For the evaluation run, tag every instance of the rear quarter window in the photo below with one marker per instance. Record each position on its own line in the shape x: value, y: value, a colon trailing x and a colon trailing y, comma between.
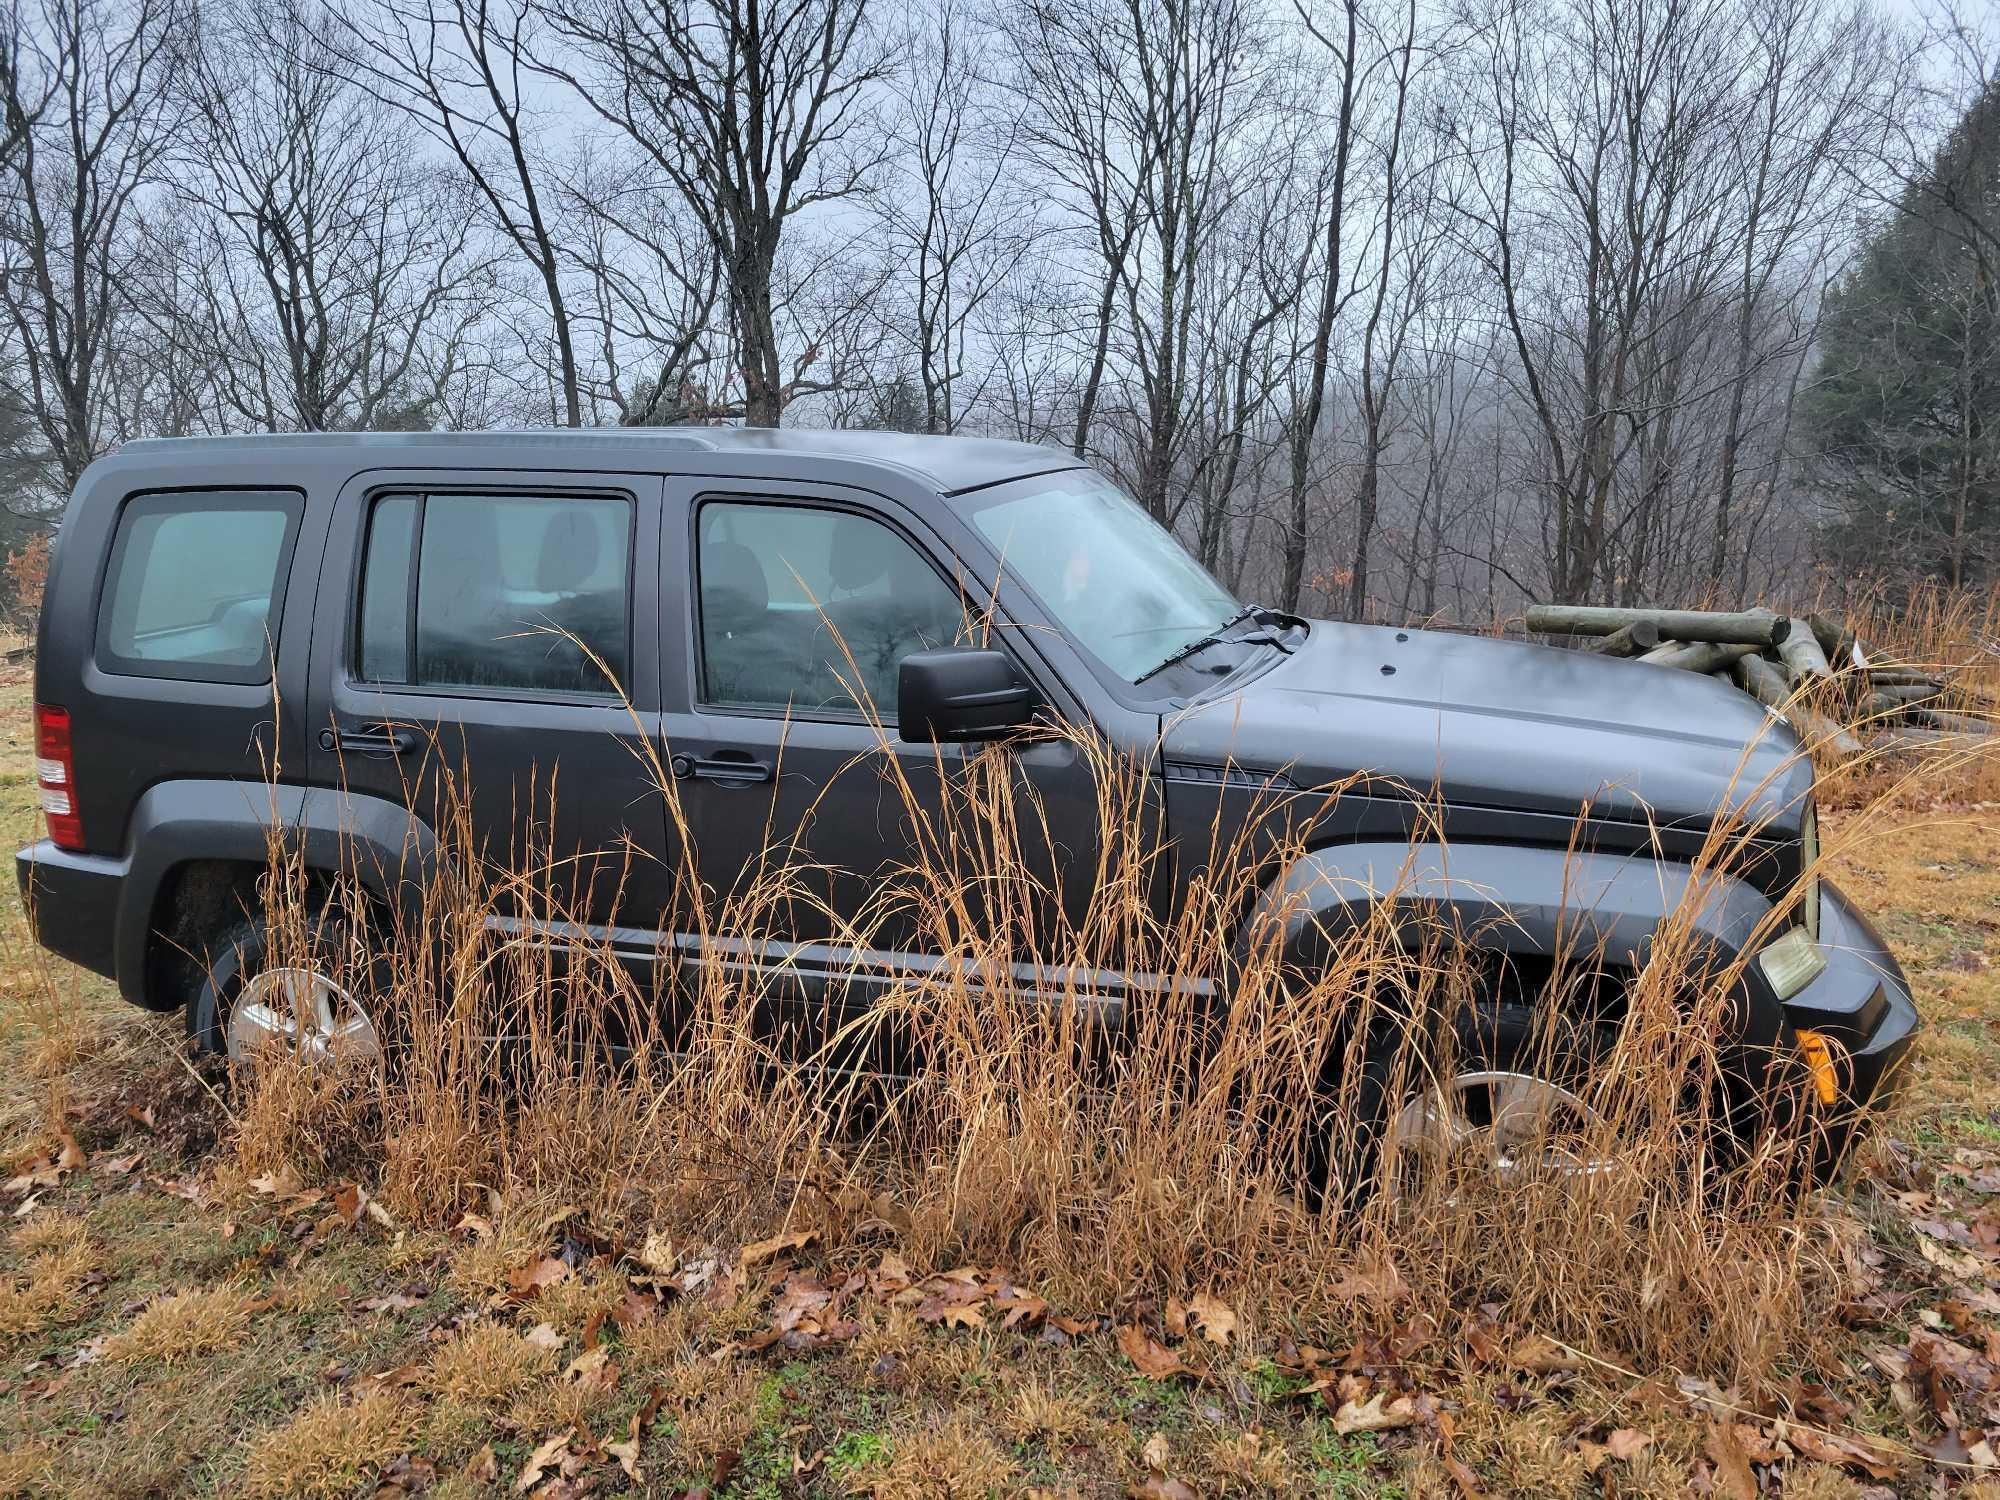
x: 195, y: 584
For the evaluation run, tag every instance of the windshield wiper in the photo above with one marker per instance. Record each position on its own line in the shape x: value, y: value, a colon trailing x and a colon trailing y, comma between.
x: 1214, y: 638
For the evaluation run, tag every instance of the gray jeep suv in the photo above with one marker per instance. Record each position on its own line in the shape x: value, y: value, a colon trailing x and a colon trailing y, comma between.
x: 256, y: 632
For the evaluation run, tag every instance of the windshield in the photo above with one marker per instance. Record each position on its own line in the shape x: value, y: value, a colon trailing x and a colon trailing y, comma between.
x: 1115, y: 579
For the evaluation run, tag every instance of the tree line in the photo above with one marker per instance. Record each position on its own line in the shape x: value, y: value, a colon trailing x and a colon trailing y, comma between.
x: 1389, y: 309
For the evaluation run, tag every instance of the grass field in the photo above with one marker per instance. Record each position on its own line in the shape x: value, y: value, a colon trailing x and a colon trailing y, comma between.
x: 172, y: 1322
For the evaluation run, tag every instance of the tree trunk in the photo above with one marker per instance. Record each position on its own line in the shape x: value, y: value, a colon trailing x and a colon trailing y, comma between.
x: 1698, y: 656
x: 1760, y: 630
x: 1627, y: 640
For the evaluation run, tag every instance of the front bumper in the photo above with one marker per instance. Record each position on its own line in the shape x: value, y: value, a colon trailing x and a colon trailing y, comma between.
x: 1862, y: 1003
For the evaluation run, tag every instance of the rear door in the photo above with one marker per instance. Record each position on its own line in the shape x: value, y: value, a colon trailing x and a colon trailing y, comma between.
x: 482, y: 644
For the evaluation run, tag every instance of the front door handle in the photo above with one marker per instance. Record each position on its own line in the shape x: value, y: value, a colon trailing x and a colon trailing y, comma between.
x: 369, y: 739
x: 725, y: 767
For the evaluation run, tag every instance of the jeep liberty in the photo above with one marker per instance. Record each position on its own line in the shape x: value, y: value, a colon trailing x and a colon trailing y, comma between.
x: 247, y: 631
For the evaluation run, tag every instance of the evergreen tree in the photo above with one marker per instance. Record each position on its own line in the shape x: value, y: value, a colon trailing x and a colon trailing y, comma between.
x: 1905, y: 409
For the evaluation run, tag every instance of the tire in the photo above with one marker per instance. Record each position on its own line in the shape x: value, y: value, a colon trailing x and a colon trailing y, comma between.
x: 1497, y: 1040
x: 239, y: 964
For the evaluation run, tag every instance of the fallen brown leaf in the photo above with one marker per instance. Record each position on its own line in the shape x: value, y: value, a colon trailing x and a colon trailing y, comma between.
x: 1377, y: 1283
x: 627, y: 1452
x: 1215, y: 1319
x: 1849, y: 1453
x: 1624, y: 1444
x: 634, y: 1308
x: 1732, y: 1465
x: 1627, y: 1443
x: 1541, y: 1356
x: 763, y: 1250
x: 1152, y: 1359
x: 544, y: 1458
x: 282, y: 1183
x: 537, y: 1276
x: 402, y: 1375
x: 544, y: 1336
x: 1377, y: 1414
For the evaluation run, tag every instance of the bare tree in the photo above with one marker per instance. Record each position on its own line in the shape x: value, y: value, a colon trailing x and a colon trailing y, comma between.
x: 1405, y: 239
x: 1342, y: 44
x: 90, y: 114
x: 328, y: 256
x: 1600, y: 206
x: 1810, y: 95
x: 1149, y: 115
x: 465, y: 72
x: 1067, y: 67
x: 753, y: 110
x: 951, y: 224
x: 654, y: 285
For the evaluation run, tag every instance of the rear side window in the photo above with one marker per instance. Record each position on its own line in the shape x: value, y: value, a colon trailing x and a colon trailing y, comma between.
x: 196, y: 584
x: 508, y: 592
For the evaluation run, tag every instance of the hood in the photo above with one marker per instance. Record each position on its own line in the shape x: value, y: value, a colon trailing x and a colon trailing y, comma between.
x: 1503, y: 724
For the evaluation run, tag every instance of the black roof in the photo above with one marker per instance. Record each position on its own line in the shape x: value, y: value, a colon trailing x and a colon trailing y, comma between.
x: 949, y: 464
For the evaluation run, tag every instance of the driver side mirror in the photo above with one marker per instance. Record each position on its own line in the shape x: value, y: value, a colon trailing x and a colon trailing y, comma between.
x: 958, y: 693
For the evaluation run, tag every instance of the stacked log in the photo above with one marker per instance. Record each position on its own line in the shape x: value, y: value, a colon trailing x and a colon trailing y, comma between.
x: 1811, y: 669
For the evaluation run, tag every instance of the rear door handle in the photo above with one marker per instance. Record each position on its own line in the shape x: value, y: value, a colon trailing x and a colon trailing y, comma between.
x: 727, y: 767
x: 369, y: 739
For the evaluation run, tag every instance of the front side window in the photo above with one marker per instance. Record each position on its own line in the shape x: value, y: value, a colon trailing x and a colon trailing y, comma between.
x: 194, y: 584
x: 810, y: 610
x: 1115, y: 579
x: 510, y: 592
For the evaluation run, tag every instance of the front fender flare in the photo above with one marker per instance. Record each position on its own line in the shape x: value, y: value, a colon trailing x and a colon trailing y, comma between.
x: 1519, y: 900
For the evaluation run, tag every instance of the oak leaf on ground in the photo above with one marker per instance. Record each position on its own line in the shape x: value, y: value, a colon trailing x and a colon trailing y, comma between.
x: 1150, y: 1357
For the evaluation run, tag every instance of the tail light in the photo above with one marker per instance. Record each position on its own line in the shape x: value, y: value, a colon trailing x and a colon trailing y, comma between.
x: 55, y: 771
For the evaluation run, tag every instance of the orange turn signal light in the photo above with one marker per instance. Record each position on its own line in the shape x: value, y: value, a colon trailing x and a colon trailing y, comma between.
x: 1819, y: 1057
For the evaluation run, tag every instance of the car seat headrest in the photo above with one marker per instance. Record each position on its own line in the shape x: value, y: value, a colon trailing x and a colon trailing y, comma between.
x: 859, y: 553
x: 734, y: 591
x: 571, y: 546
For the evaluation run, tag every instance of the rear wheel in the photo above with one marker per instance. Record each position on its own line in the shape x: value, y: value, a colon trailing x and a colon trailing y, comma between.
x: 320, y: 1002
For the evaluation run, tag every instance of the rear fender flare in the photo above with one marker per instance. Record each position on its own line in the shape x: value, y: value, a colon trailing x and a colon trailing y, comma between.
x: 392, y: 852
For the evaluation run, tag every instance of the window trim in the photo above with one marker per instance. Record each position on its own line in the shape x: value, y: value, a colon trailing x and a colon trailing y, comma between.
x: 289, y: 500
x: 698, y: 678
x: 351, y: 644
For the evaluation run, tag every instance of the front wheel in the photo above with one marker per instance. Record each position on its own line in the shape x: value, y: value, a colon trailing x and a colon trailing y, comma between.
x: 1506, y: 1091
x: 1514, y: 1107
x: 320, y: 1001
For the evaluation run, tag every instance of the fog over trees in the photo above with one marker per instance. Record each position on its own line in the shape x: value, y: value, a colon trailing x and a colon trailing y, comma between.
x: 1392, y: 309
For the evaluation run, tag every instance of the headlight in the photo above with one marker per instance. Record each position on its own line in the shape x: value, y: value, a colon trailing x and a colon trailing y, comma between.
x: 1809, y: 865
x: 1791, y: 962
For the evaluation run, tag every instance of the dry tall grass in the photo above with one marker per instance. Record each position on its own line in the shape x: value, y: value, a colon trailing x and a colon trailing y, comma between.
x: 1955, y: 633
x: 1222, y: 1131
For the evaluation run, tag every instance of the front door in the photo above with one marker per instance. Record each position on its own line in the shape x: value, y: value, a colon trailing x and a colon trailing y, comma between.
x: 806, y: 814
x: 490, y: 656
